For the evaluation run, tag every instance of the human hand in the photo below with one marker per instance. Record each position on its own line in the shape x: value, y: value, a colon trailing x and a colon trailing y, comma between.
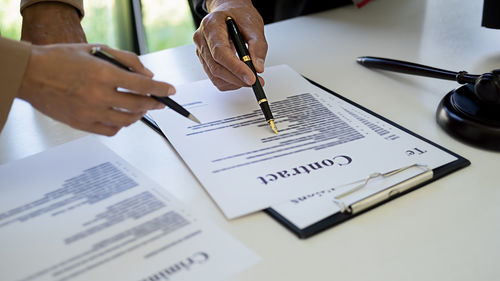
x: 52, y: 22
x: 67, y: 83
x: 216, y: 52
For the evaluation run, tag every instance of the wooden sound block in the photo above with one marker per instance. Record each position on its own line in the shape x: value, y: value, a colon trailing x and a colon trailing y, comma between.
x: 468, y: 119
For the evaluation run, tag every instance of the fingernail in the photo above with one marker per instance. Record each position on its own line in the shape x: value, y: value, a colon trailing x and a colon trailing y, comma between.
x: 262, y: 81
x: 149, y: 71
x: 248, y: 79
x: 171, y: 91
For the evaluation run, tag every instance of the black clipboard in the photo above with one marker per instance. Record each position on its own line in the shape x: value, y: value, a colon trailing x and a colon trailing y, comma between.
x: 340, y: 217
x: 151, y: 123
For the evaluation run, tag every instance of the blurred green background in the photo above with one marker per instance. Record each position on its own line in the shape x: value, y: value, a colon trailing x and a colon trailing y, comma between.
x: 167, y: 23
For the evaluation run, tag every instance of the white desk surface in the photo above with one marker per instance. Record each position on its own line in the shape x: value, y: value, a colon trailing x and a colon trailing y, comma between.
x: 447, y: 230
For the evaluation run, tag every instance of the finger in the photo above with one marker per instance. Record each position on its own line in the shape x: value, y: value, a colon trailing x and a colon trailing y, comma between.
x: 220, y: 49
x: 142, y: 85
x: 132, y: 102
x: 97, y: 128
x: 221, y: 84
x: 116, y: 118
x: 257, y: 46
x: 224, y: 86
x: 105, y: 121
x: 129, y: 59
x: 102, y: 129
x: 212, y: 67
x: 252, y: 30
x: 262, y: 81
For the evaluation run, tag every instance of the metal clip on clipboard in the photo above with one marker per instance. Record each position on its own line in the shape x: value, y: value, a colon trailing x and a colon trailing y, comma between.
x: 385, y: 193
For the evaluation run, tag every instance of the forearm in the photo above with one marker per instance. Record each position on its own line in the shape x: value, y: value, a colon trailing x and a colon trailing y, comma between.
x: 14, y: 58
x: 48, y: 22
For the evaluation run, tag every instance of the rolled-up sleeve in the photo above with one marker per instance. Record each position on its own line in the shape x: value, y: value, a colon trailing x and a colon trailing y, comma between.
x: 14, y: 57
x: 78, y: 4
x: 198, y: 10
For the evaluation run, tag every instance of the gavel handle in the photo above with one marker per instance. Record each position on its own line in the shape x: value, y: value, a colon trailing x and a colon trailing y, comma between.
x: 416, y: 69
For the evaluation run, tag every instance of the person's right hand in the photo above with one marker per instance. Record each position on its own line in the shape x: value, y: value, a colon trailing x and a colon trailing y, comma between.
x: 67, y: 83
x: 217, y: 53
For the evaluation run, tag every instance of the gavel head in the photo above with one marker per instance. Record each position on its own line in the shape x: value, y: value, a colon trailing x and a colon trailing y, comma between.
x: 487, y: 88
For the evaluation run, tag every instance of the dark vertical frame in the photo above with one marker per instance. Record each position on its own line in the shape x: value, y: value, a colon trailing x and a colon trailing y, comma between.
x: 138, y: 37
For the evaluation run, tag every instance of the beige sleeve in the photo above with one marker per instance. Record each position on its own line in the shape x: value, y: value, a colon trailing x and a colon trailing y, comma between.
x: 78, y: 4
x: 14, y: 56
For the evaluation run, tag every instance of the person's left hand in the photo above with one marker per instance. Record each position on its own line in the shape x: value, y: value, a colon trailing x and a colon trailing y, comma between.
x: 217, y: 53
x: 52, y: 22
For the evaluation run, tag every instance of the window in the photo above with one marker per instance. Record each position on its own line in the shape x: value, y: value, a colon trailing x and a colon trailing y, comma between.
x: 166, y: 23
x: 10, y: 19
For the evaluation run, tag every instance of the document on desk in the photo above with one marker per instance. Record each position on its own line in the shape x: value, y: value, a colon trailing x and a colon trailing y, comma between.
x: 80, y: 212
x: 245, y: 167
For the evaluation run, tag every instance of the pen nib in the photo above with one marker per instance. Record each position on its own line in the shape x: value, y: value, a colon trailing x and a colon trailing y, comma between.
x: 191, y: 116
x: 273, y: 126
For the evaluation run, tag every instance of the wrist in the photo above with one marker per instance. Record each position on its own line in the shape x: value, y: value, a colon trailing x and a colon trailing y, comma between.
x: 212, y: 5
x: 52, y: 22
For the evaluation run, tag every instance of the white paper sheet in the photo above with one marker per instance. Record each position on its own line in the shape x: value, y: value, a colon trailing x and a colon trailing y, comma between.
x: 245, y: 167
x: 80, y: 212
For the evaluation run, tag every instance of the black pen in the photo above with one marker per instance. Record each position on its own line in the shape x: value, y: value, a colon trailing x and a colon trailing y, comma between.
x: 98, y: 52
x: 244, y: 55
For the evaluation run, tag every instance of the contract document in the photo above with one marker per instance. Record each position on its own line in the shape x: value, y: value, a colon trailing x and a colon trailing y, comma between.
x: 80, y: 212
x: 322, y: 142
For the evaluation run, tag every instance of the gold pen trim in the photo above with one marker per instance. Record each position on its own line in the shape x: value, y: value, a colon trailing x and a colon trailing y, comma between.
x: 262, y: 100
x: 246, y: 58
x: 273, y: 126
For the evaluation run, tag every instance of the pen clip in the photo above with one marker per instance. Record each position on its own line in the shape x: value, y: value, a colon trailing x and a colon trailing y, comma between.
x: 385, y: 193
